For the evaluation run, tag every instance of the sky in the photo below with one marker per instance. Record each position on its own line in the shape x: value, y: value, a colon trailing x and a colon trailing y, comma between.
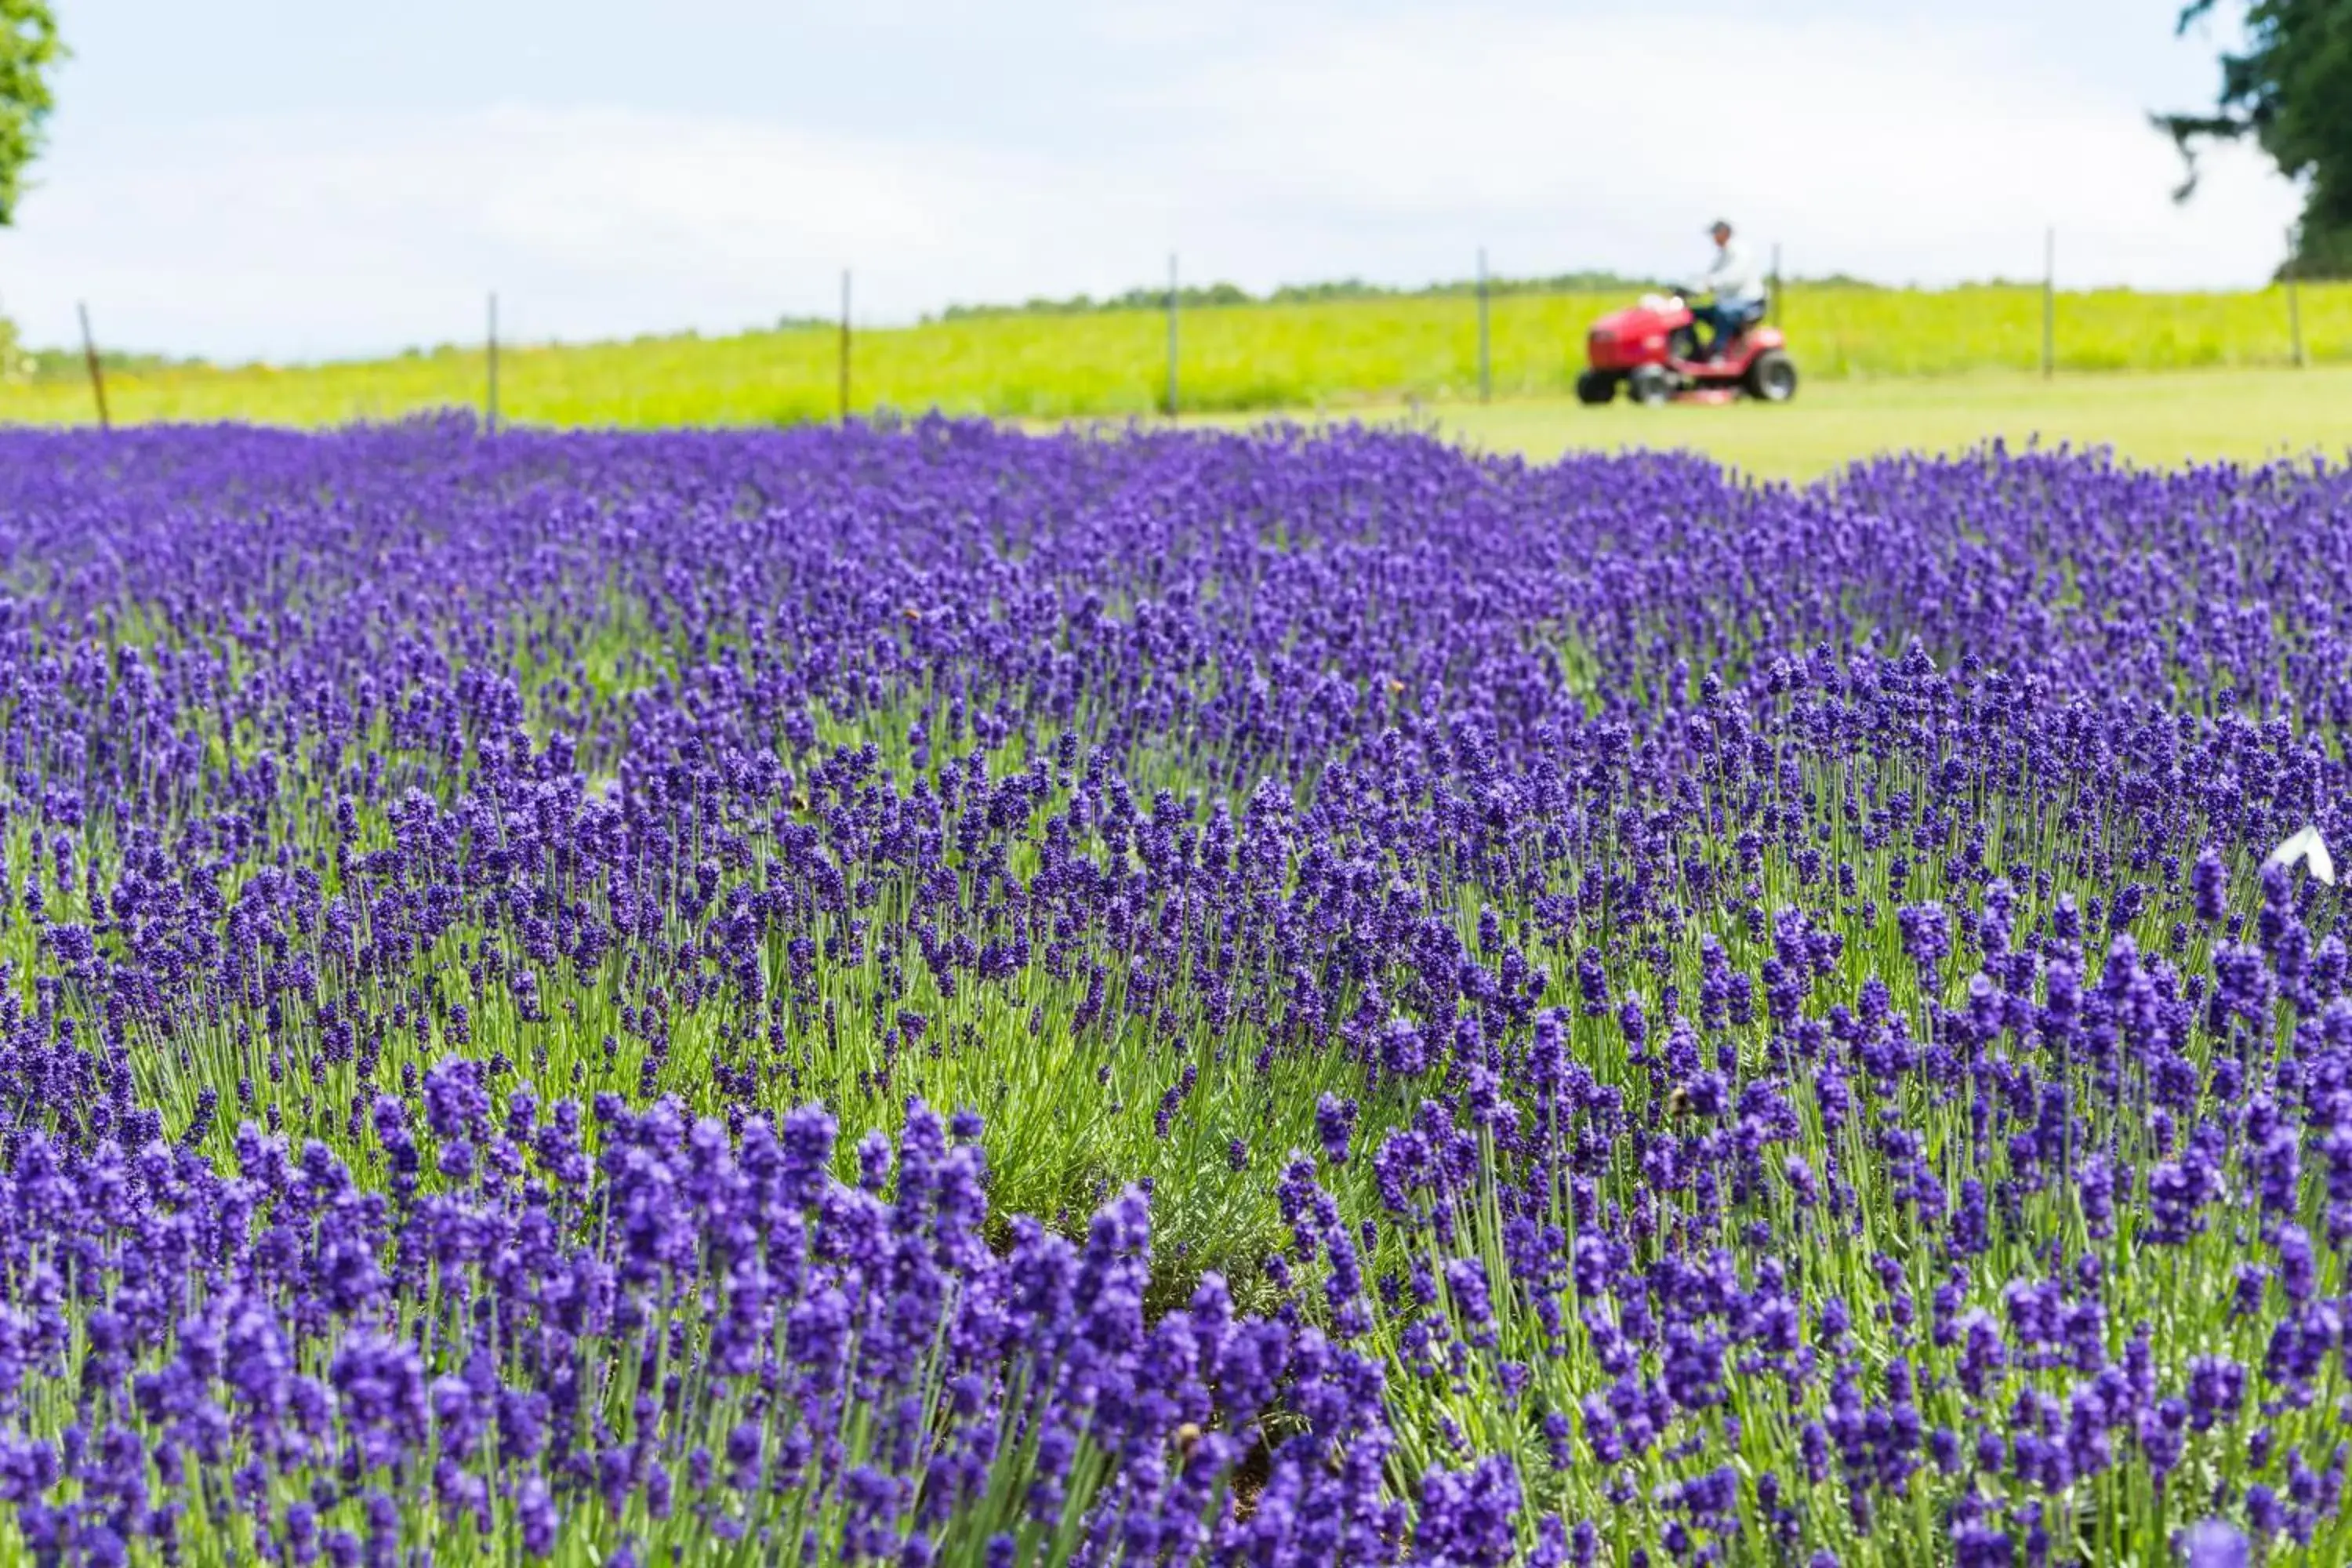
x: 287, y: 179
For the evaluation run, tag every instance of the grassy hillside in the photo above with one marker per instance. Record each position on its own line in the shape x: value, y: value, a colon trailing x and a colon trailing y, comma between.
x: 1331, y: 354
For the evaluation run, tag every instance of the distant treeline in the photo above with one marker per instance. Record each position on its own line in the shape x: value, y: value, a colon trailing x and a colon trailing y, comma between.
x: 1219, y: 296
x: 1216, y: 296
x: 20, y: 364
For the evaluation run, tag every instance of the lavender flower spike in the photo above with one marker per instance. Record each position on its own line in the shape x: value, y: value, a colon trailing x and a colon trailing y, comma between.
x: 2211, y: 1543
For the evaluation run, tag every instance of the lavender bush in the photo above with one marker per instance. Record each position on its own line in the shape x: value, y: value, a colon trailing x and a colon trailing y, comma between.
x: 1475, y: 1013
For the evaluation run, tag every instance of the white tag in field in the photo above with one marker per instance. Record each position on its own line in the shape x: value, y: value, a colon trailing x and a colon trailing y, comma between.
x: 2306, y: 845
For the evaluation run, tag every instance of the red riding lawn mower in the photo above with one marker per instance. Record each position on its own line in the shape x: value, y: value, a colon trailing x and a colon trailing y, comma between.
x: 1652, y: 349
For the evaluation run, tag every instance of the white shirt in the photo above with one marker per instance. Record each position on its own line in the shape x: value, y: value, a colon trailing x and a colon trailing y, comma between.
x: 1733, y: 280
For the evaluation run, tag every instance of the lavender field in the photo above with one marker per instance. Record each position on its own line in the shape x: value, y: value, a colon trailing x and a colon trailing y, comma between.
x: 930, y: 995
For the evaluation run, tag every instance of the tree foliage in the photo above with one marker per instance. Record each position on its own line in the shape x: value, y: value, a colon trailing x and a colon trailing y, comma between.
x: 29, y: 51
x: 2290, y: 89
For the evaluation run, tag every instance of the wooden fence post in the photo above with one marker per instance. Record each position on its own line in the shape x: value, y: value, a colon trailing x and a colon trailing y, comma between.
x: 2049, y: 302
x: 1172, y: 335
x: 1486, y: 363
x: 97, y: 377
x: 491, y: 392
x: 2293, y: 296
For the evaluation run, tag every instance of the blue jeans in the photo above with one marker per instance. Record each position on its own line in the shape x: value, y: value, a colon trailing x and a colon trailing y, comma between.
x: 1722, y: 320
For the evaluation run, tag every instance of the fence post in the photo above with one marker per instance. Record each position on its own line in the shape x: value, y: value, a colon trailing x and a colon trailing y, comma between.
x: 97, y: 377
x: 843, y: 356
x: 2294, y: 299
x: 1486, y: 364
x: 490, y: 402
x: 1171, y: 334
x: 2049, y: 302
x: 840, y: 357
x: 1776, y: 283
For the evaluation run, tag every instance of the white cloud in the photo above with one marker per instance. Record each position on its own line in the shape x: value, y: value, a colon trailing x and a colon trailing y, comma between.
x: 1378, y: 144
x: 1897, y: 151
x: 324, y: 234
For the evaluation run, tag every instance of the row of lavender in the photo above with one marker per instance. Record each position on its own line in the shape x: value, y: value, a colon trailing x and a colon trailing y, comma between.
x: 1584, y: 1014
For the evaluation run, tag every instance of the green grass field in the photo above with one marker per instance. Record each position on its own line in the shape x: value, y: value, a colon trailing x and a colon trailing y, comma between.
x: 2166, y: 418
x: 1332, y: 355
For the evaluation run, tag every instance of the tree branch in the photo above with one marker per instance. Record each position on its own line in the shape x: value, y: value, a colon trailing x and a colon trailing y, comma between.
x: 2188, y: 129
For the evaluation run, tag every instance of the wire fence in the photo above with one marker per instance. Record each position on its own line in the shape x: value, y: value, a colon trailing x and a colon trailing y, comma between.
x: 1224, y: 353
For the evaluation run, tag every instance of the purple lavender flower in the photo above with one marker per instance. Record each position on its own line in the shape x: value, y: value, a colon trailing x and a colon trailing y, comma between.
x: 1335, y: 1122
x: 2211, y: 1543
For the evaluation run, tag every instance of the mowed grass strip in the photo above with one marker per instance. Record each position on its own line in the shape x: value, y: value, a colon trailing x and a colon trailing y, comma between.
x: 2158, y: 420
x: 1331, y: 355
